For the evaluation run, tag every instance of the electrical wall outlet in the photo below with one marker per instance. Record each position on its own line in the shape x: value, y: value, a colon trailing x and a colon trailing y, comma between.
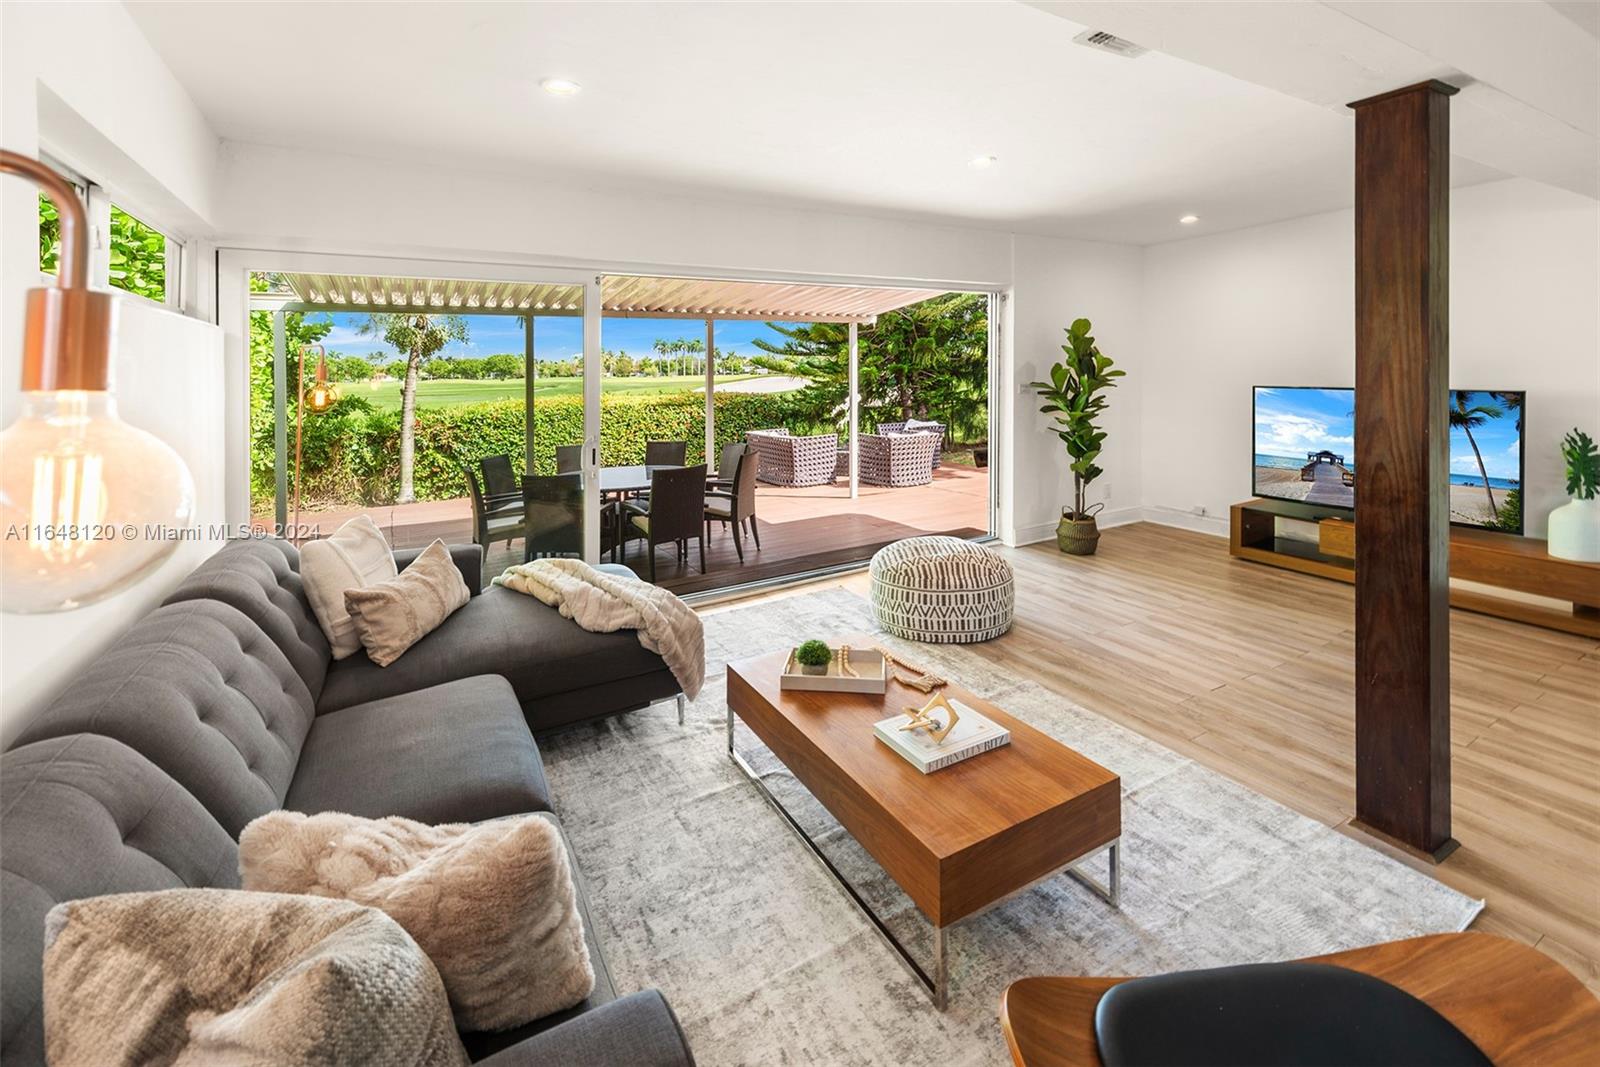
x: 1200, y: 510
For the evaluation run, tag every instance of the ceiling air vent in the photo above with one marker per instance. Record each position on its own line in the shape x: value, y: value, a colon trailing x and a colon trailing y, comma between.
x: 1105, y: 42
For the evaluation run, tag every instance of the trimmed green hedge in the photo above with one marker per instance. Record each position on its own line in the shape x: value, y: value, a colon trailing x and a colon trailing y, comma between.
x: 352, y: 453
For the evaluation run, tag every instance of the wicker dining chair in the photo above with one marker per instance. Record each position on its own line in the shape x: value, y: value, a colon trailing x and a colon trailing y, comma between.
x: 552, y: 506
x: 499, y: 480
x: 675, y: 513
x: 737, y: 504
x: 727, y: 464
x: 491, y: 522
x: 665, y: 453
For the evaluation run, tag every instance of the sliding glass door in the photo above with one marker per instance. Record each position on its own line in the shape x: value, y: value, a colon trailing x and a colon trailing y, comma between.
x: 441, y: 401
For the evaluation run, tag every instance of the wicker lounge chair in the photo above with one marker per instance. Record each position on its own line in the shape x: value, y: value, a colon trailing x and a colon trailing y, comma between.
x: 917, y: 426
x: 794, y: 461
x: 898, y: 459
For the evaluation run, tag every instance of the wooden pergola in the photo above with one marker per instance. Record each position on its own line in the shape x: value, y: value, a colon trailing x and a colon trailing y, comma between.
x: 621, y: 296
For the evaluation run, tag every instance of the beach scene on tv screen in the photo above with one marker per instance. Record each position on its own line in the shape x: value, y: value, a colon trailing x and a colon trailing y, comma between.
x: 1306, y: 445
x: 1305, y: 450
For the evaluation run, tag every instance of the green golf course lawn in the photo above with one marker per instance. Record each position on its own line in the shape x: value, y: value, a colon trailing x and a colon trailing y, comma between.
x: 449, y: 392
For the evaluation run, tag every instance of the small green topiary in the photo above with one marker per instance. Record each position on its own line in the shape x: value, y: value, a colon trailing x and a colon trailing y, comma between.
x: 814, y: 653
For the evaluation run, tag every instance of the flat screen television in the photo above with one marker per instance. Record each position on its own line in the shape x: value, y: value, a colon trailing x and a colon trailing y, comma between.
x: 1305, y: 450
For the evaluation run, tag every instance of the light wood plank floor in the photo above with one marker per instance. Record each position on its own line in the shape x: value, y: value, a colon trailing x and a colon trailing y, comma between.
x: 1249, y: 670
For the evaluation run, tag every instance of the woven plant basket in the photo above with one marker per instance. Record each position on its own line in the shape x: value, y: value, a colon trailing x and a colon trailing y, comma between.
x: 1077, y: 537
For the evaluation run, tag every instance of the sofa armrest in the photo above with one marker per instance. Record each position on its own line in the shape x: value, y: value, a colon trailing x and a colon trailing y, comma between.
x: 468, y: 560
x: 639, y: 1030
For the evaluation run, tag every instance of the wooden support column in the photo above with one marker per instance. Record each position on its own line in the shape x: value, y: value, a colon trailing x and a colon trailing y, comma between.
x: 1402, y: 454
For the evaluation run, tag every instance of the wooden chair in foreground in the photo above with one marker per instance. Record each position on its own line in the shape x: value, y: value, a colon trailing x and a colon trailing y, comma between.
x: 1518, y: 1005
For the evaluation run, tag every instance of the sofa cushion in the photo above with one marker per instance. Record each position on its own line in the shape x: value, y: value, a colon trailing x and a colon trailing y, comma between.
x: 481, y: 1043
x: 83, y: 816
x: 499, y: 632
x: 639, y: 1030
x: 353, y: 557
x: 392, y: 615
x: 205, y: 695
x: 261, y: 578
x: 459, y: 752
x: 491, y: 903
x: 210, y: 976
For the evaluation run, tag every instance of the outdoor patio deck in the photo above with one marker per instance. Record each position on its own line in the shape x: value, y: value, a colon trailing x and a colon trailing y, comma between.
x: 801, y: 529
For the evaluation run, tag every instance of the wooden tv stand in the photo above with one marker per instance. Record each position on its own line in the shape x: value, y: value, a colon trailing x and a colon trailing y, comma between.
x: 1505, y: 561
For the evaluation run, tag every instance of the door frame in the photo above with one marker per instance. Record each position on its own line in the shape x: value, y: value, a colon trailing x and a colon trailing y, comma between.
x: 234, y: 266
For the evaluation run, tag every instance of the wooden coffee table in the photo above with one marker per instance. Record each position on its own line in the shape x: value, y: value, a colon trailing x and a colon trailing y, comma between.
x: 957, y: 840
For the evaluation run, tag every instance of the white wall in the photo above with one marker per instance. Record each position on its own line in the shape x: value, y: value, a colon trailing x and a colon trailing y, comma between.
x: 286, y: 199
x: 1056, y: 280
x: 1274, y: 305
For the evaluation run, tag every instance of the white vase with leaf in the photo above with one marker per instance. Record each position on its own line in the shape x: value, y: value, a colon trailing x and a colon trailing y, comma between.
x: 1574, y: 529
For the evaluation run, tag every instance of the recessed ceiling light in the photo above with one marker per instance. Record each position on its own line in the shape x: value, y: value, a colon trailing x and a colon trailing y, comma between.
x: 560, y: 87
x: 1189, y: 220
x: 982, y: 162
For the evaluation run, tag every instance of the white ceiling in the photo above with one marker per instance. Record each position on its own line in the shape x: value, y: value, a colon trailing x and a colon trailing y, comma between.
x: 871, y: 107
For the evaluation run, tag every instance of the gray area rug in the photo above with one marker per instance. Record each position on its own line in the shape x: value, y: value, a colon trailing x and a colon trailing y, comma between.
x: 698, y: 888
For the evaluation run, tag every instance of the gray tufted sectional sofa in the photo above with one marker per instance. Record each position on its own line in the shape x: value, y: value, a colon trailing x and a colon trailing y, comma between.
x: 224, y: 704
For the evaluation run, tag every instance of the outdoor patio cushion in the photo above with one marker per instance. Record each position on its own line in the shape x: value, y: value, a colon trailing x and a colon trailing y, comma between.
x: 390, y: 757
x: 498, y: 632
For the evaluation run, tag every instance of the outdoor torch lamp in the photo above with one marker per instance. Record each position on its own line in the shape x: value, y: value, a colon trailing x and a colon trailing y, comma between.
x: 83, y: 495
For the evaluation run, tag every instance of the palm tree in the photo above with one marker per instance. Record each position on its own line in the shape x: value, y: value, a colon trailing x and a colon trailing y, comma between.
x: 664, y: 348
x: 418, y: 336
x: 1467, y: 419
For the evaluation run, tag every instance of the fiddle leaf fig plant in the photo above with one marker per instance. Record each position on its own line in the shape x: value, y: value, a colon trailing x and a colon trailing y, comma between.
x: 1075, y: 395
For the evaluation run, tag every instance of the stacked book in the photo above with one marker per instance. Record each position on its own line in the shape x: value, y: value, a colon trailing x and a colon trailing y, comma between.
x: 974, y: 733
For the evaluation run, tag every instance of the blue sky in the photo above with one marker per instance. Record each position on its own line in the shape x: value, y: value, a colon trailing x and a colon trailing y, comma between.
x: 556, y: 337
x: 1292, y: 422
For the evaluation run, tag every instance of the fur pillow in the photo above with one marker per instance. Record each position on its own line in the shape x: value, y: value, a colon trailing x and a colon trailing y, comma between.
x: 492, y: 904
x: 207, y: 976
x: 393, y: 615
x: 355, y: 557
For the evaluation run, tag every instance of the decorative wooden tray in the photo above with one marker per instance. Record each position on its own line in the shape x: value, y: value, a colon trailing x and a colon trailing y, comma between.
x: 869, y: 673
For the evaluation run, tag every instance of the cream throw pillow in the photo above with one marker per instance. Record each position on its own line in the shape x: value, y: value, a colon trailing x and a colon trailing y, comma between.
x: 355, y: 557
x: 217, y: 976
x: 492, y: 904
x: 393, y: 615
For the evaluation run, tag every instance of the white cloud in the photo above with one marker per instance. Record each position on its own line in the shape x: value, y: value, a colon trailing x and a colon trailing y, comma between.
x: 1279, y: 433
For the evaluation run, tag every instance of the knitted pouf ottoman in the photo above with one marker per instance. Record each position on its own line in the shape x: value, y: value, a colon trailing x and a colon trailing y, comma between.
x: 942, y: 589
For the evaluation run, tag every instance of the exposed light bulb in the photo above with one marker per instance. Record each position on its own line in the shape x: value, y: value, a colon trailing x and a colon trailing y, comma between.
x: 1189, y: 220
x: 561, y: 87
x: 320, y: 397
x: 88, y: 504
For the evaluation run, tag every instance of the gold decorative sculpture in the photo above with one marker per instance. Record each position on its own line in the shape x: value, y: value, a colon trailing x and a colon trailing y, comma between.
x: 922, y: 718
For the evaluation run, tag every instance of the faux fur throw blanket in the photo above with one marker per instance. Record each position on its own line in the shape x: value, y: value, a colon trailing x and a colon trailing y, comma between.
x: 492, y: 904
x: 192, y: 977
x: 600, y: 603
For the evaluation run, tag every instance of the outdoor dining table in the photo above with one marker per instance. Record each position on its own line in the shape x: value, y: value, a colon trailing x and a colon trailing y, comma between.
x: 634, y: 478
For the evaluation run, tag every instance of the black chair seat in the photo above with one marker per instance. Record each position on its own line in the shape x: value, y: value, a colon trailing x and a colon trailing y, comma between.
x: 1274, y: 1015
